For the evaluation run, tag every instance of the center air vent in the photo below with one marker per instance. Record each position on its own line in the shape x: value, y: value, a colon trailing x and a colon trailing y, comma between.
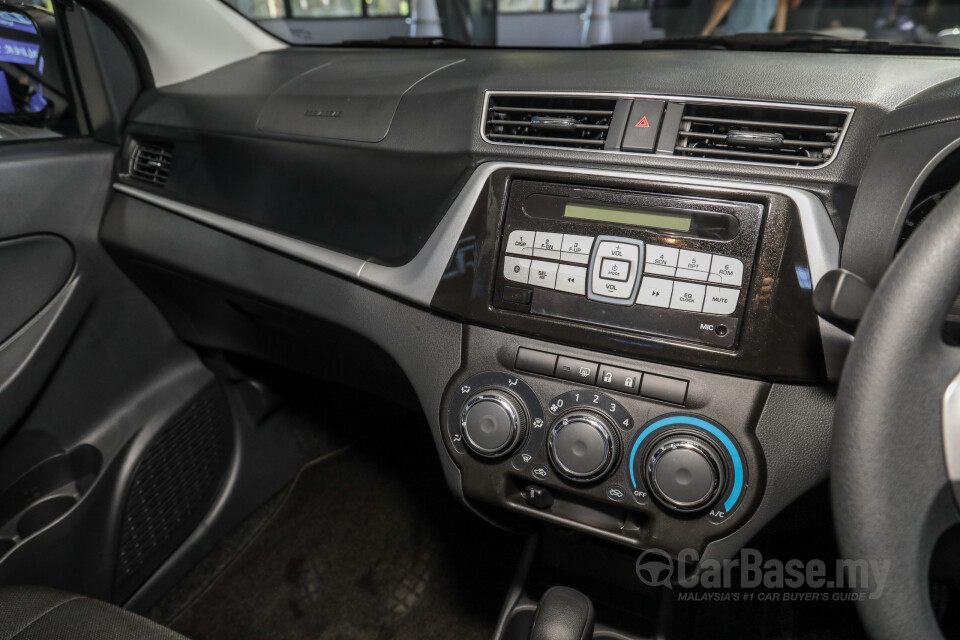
x: 549, y: 121
x: 771, y: 135
x: 151, y: 162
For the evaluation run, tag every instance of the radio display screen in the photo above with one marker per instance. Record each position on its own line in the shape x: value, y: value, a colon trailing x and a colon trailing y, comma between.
x: 637, y: 218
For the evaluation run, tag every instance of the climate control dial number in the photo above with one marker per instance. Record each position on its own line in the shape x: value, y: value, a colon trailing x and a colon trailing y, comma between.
x: 590, y: 400
x: 583, y: 446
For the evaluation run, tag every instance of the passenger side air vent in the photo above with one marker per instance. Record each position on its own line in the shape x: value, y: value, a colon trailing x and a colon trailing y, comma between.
x: 151, y: 162
x: 770, y: 135
x: 549, y: 121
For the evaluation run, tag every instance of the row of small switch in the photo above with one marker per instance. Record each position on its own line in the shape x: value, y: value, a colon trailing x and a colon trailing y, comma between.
x: 660, y: 260
x: 654, y: 292
x: 552, y: 246
x: 648, y: 385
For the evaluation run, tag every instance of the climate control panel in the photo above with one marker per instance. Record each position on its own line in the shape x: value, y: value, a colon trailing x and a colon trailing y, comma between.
x: 583, y: 446
x: 687, y: 463
x: 625, y: 467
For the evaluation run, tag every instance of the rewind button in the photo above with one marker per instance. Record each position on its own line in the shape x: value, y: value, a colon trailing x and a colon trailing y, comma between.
x: 655, y: 292
x: 572, y: 279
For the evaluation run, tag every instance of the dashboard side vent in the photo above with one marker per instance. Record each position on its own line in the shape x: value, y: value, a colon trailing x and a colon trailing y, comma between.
x: 151, y: 162
x: 769, y: 135
x: 549, y: 121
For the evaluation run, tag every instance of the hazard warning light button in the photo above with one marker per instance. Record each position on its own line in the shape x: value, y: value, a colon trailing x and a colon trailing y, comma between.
x: 643, y: 126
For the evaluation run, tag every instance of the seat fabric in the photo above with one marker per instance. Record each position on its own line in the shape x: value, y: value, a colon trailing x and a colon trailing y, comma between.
x: 34, y: 613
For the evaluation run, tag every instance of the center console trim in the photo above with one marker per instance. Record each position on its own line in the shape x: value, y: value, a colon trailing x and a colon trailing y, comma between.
x: 417, y: 280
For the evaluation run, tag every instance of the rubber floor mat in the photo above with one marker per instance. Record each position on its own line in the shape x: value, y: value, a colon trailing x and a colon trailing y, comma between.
x: 367, y: 545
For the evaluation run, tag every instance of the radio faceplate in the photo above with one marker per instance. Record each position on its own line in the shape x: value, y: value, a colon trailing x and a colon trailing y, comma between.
x: 656, y: 264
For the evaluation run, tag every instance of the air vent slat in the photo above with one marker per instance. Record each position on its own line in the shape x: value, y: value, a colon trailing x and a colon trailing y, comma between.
x: 524, y: 123
x: 762, y: 134
x: 151, y: 162
x: 549, y: 120
x: 754, y: 156
x: 761, y: 123
x: 543, y: 139
x: 785, y: 143
x: 554, y: 111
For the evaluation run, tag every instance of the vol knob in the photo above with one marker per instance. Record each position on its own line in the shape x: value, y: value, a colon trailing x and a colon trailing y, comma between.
x: 493, y: 423
x: 684, y: 472
x: 583, y: 446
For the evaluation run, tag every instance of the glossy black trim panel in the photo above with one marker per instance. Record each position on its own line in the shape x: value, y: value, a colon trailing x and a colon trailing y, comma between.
x: 707, y: 222
x: 739, y: 241
x: 379, y: 206
x: 451, y: 250
x: 780, y: 337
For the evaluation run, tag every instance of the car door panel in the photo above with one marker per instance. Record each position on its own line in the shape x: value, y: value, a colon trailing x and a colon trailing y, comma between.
x: 32, y: 270
x: 90, y: 371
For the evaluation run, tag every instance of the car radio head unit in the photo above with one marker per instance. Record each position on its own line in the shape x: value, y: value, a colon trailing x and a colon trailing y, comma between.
x: 665, y: 265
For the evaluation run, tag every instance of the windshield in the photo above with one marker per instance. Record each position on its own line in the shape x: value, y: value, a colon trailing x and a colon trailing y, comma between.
x: 584, y: 23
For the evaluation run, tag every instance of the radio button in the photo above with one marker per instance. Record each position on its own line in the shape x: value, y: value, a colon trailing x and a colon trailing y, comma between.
x: 608, y: 253
x: 576, y: 248
x: 572, y: 279
x: 693, y: 261
x: 516, y: 269
x: 547, y: 245
x: 661, y: 261
x: 543, y: 274
x: 611, y: 269
x: 655, y: 292
x: 612, y: 289
x: 720, y: 301
x: 726, y: 270
x: 659, y: 270
x: 620, y: 251
x: 687, y: 296
x: 520, y: 242
x: 689, y: 274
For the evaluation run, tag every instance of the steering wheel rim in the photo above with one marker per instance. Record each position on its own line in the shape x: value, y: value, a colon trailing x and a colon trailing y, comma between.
x: 891, y: 492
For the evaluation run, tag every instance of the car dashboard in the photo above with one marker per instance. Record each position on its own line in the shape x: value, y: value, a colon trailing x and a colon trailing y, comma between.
x: 593, y: 268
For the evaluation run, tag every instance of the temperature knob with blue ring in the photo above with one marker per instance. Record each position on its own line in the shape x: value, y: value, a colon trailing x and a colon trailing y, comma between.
x: 690, y: 465
x: 684, y: 472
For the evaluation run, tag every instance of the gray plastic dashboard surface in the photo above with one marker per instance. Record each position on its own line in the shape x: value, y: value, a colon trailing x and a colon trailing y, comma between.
x: 417, y: 280
x: 348, y: 98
